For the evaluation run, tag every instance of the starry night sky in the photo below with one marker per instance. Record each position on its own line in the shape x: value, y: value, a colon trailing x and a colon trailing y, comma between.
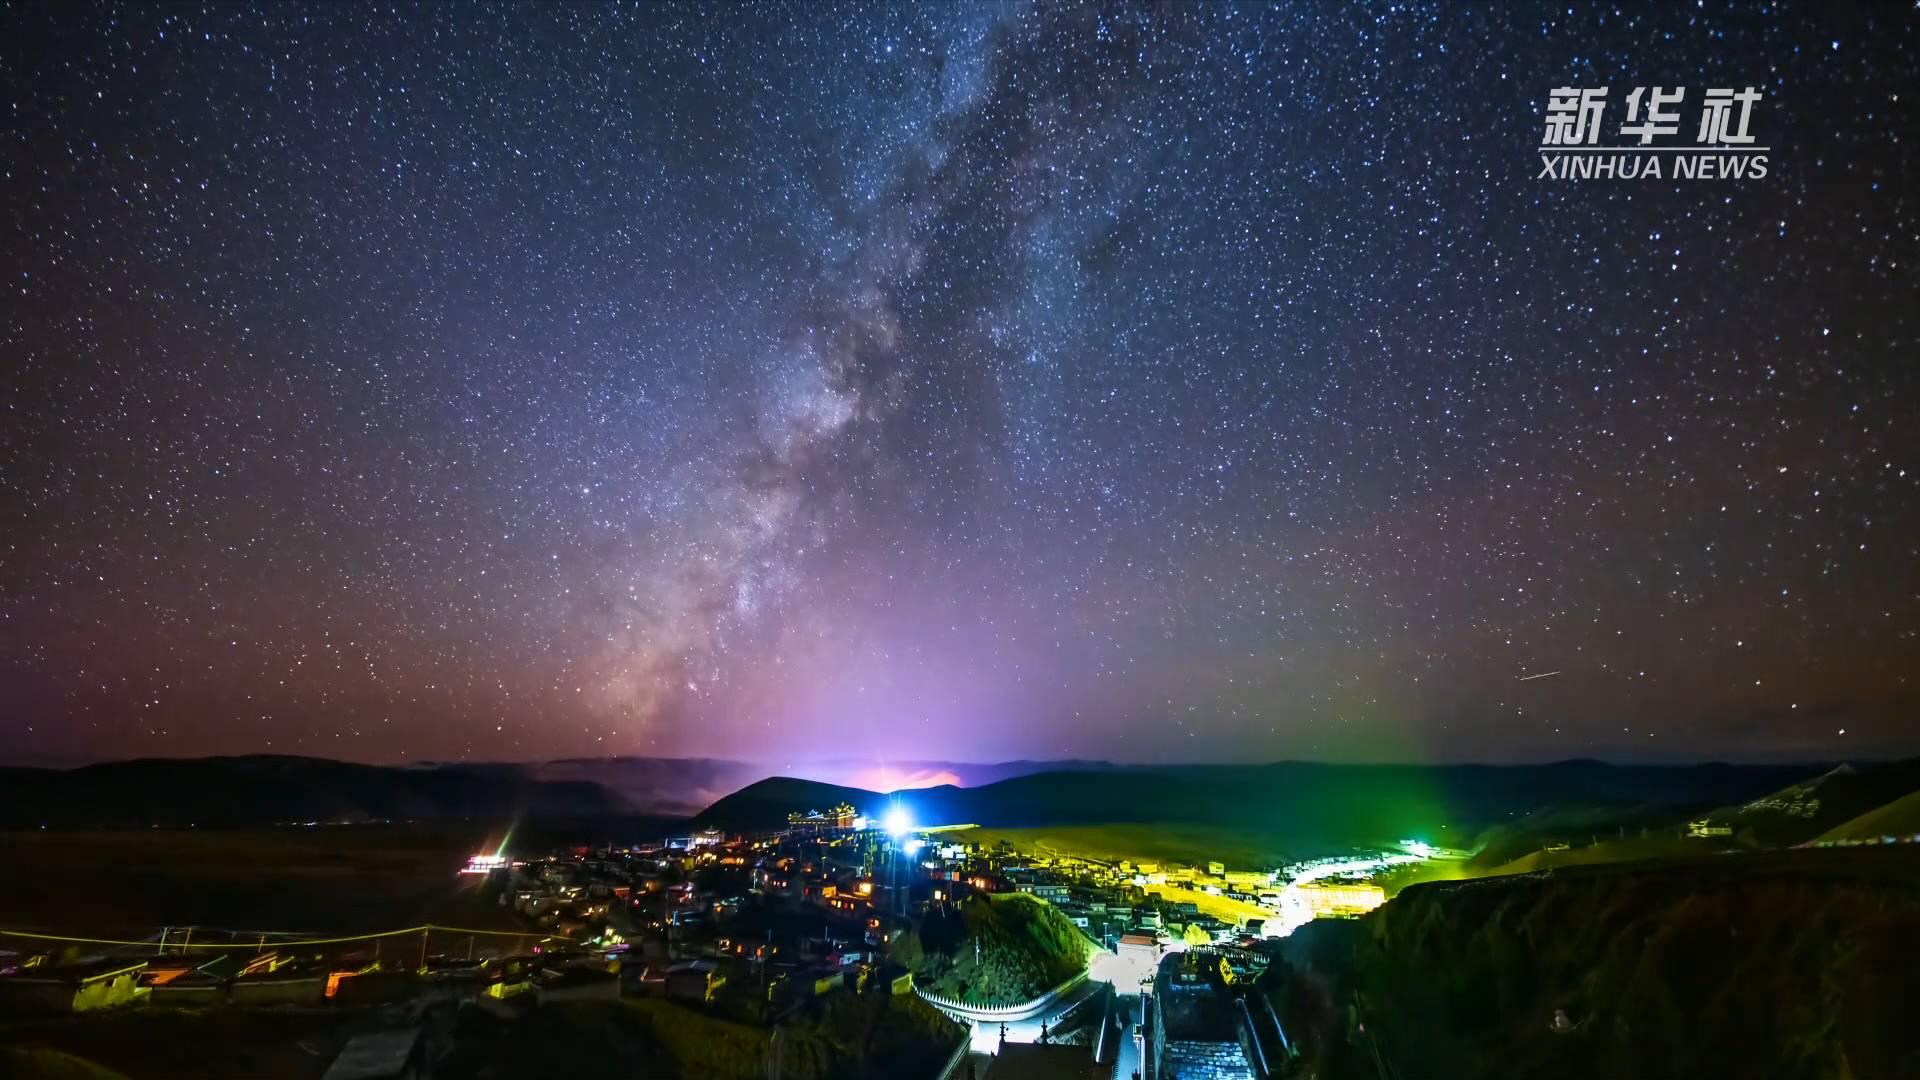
x: 1176, y: 383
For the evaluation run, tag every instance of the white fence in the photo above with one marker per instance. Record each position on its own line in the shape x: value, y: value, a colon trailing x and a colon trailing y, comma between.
x: 990, y: 1014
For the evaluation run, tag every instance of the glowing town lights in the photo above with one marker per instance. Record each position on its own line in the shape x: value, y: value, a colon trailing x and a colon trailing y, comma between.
x: 484, y: 864
x: 1418, y: 847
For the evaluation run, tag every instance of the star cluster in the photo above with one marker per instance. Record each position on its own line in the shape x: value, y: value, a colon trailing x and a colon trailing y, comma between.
x: 1021, y: 380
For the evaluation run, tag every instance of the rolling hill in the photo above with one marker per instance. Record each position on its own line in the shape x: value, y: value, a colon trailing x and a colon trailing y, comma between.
x: 1901, y: 818
x: 256, y: 790
x: 683, y: 786
x: 1802, y: 811
x: 269, y: 789
x: 1314, y: 805
x: 1520, y: 843
x: 765, y: 804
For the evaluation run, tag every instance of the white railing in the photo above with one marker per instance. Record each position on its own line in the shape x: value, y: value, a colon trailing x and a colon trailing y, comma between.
x: 993, y: 1013
x: 1100, y: 1039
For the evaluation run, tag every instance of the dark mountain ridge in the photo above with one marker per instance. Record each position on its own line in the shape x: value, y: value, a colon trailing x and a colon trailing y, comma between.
x: 277, y: 789
x: 1333, y: 804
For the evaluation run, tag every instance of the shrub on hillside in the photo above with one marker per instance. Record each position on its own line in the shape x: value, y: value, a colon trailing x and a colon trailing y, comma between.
x: 993, y: 951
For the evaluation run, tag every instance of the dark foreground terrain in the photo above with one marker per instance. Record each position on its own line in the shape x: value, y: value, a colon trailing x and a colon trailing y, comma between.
x: 871, y: 1036
x: 349, y: 878
x: 310, y: 879
x: 1779, y: 964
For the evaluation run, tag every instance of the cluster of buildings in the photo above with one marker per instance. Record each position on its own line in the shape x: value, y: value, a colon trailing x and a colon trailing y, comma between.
x: 841, y: 818
x: 847, y: 884
x: 754, y: 926
x: 403, y: 997
x: 1196, y: 905
x: 757, y: 927
x: 217, y: 972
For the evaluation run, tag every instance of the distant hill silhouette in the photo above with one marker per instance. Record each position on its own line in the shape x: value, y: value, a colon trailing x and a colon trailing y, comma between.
x: 268, y: 789
x: 1801, y: 811
x: 1311, y: 802
x: 678, y: 786
x: 1317, y: 803
x: 765, y: 804
x: 683, y: 786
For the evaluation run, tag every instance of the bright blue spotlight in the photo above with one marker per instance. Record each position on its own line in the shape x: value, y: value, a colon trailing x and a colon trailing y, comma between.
x: 897, y: 822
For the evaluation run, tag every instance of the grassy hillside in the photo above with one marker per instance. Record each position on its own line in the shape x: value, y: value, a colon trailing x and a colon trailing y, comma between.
x: 1901, y: 817
x: 1314, y: 808
x: 1800, y: 812
x: 1322, y: 808
x: 1025, y: 947
x: 1578, y: 825
x: 1771, y: 964
x: 1241, y: 848
x: 1633, y: 849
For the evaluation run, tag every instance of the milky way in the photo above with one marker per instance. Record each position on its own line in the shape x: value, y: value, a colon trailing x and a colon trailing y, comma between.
x: 1180, y: 382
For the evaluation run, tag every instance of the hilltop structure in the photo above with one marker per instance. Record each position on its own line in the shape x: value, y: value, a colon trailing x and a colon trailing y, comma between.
x: 841, y: 818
